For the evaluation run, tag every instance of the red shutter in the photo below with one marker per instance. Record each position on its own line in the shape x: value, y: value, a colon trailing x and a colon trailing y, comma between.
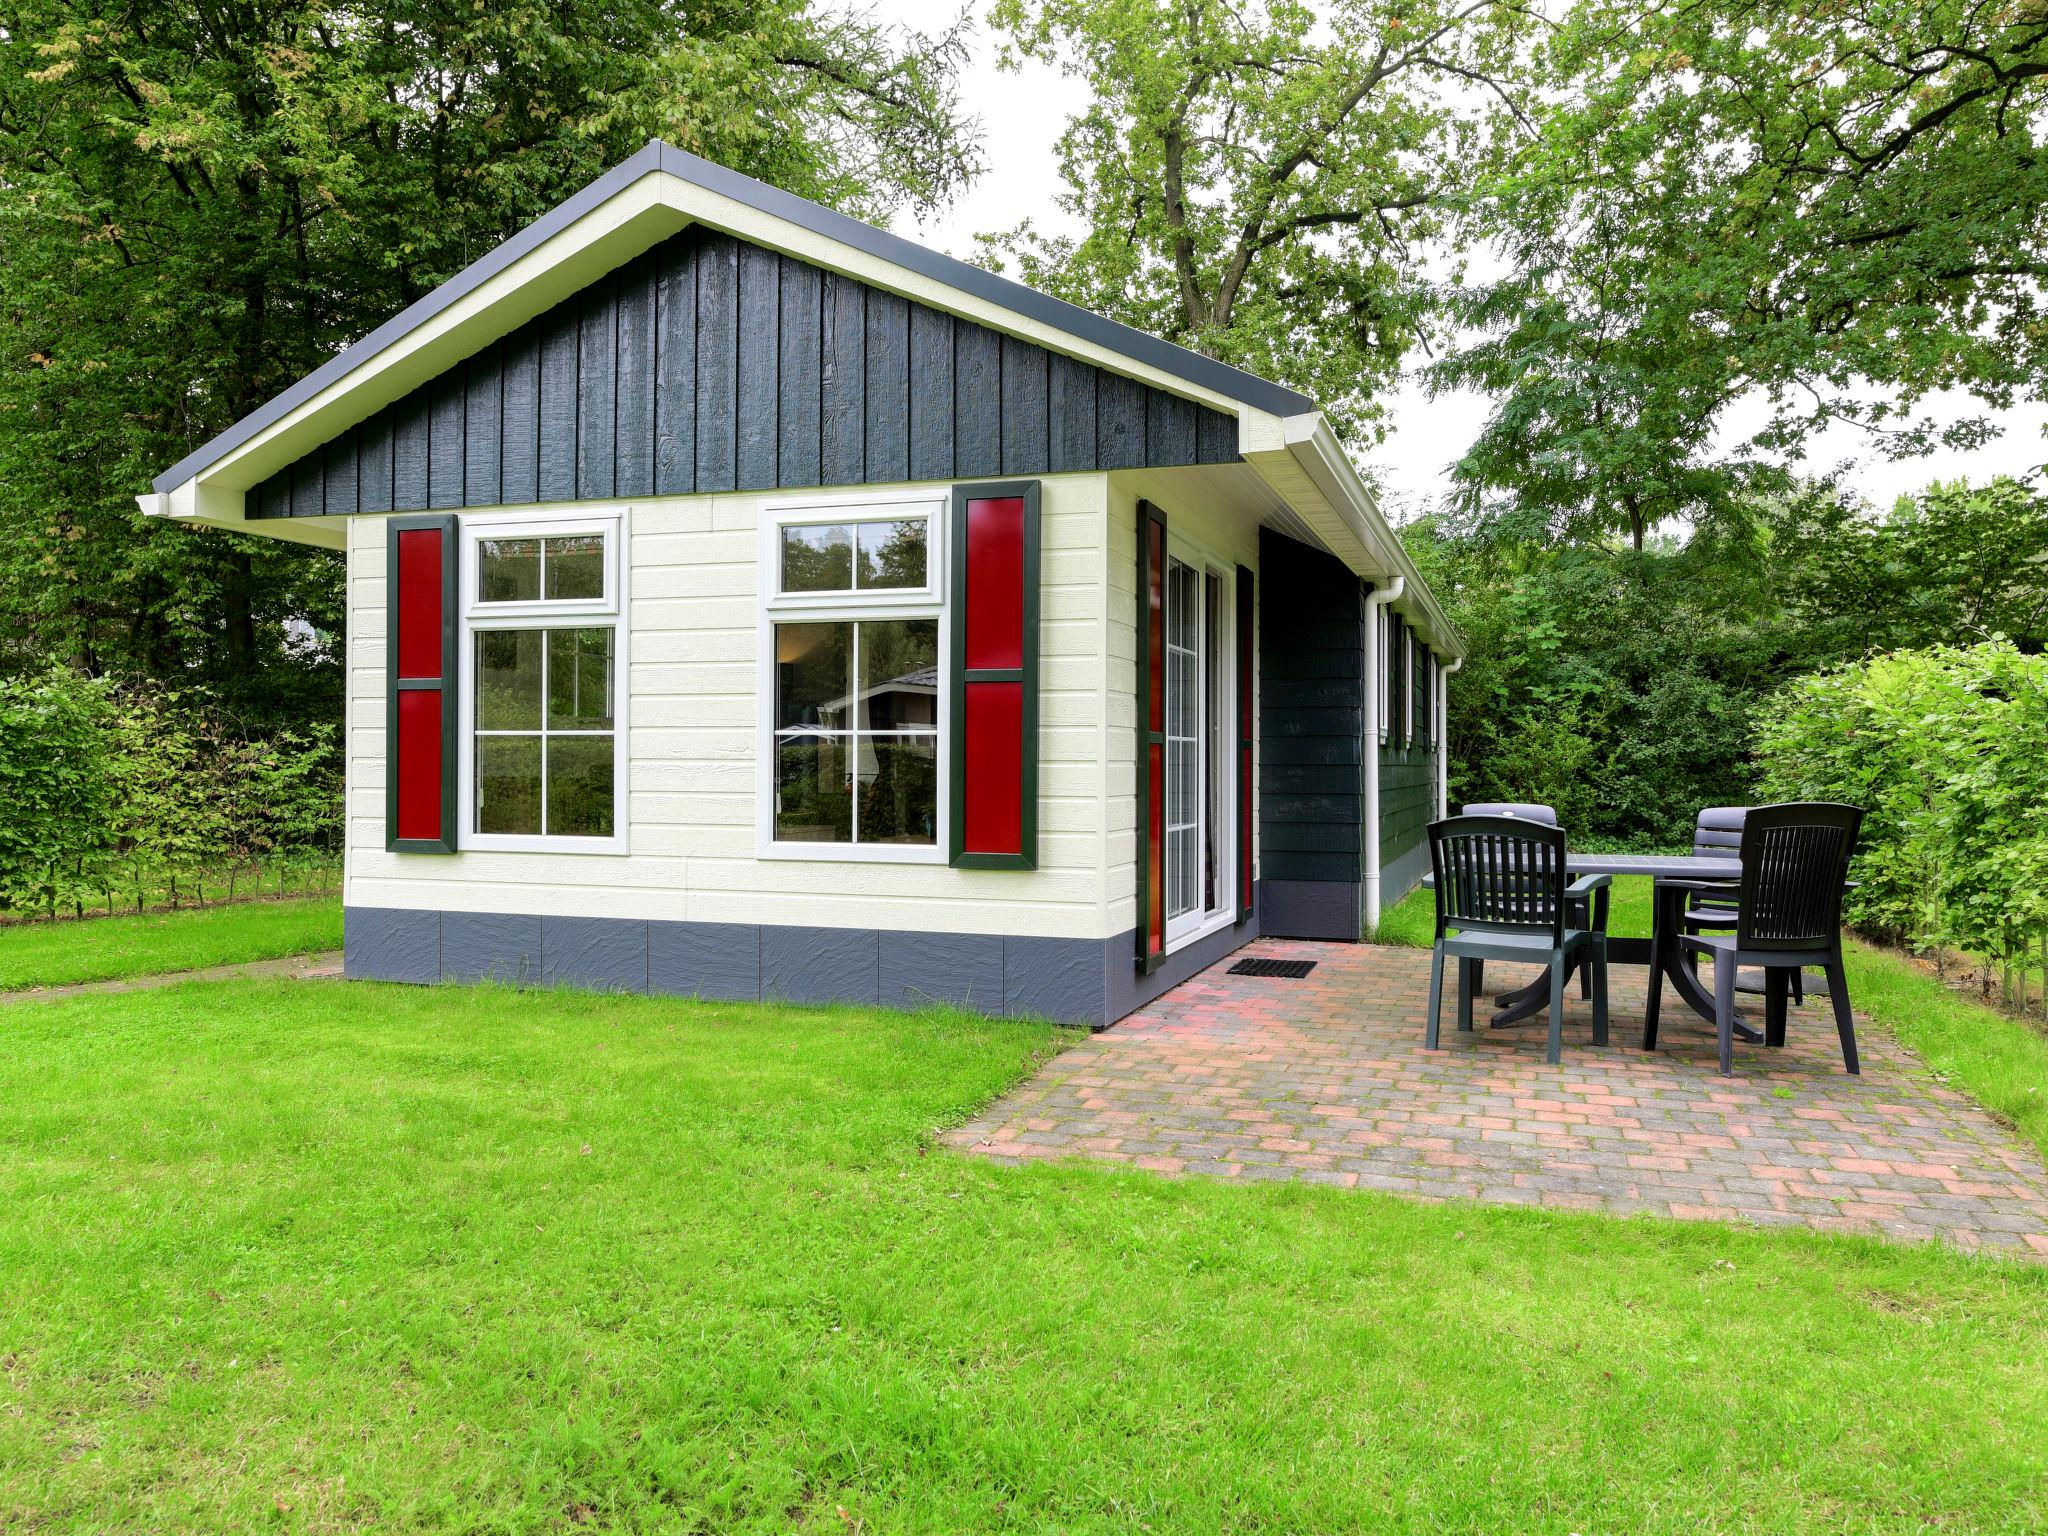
x: 994, y: 734
x: 1151, y: 736
x: 419, y: 740
x: 1247, y: 653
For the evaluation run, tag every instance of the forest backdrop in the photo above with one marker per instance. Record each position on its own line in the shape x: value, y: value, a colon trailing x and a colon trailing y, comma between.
x: 1630, y: 227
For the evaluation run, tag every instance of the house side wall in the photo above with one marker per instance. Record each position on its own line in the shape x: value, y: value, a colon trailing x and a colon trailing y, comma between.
x: 1311, y: 735
x: 1407, y: 805
x: 691, y: 726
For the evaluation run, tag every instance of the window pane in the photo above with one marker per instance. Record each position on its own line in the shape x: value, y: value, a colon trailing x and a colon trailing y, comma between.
x: 813, y: 674
x: 508, y: 784
x: 813, y: 792
x: 579, y: 679
x: 817, y: 558
x: 507, y: 570
x: 899, y: 674
x: 580, y: 786
x: 575, y: 567
x: 899, y: 789
x: 508, y: 680
x: 893, y: 554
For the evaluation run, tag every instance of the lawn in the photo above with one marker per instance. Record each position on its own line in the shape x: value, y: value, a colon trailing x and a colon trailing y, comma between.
x: 307, y: 1256
x: 44, y: 954
x: 2000, y: 1061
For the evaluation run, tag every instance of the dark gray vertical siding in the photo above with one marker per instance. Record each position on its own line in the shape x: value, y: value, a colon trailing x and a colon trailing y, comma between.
x: 339, y: 490
x: 373, y: 483
x: 556, y: 468
x: 977, y: 400
x: 482, y: 473
x: 709, y: 365
x: 519, y: 418
x: 633, y: 474
x: 797, y: 386
x: 758, y: 387
x: 1120, y: 440
x: 1025, y: 436
x: 931, y: 394
x: 887, y: 406
x: 1070, y: 386
x: 842, y: 377
x: 675, y: 371
x: 409, y: 454
x: 597, y: 394
x: 718, y: 357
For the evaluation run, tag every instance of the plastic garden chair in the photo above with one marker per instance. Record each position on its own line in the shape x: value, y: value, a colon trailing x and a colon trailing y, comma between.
x: 1501, y: 895
x: 1580, y: 914
x: 1795, y: 865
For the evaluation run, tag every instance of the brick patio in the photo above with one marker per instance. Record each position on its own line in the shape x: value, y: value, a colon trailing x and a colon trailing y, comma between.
x: 1326, y: 1080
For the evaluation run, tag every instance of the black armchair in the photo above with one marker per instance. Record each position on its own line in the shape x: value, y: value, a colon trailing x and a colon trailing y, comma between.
x: 1795, y: 864
x: 1501, y: 895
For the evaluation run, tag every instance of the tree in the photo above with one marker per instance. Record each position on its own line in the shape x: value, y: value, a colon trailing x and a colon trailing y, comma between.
x: 1261, y: 179
x: 199, y: 205
x: 1834, y: 208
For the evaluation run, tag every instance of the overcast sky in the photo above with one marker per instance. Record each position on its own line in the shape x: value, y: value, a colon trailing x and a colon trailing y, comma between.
x: 1022, y: 115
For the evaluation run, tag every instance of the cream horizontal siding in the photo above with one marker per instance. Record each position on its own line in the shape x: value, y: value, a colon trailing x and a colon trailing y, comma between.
x: 692, y: 722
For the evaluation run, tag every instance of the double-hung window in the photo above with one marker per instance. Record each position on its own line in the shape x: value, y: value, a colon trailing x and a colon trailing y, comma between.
x: 543, y: 728
x: 854, y: 702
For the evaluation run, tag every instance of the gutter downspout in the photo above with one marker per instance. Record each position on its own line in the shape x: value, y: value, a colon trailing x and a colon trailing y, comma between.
x: 1443, y: 736
x: 1377, y: 599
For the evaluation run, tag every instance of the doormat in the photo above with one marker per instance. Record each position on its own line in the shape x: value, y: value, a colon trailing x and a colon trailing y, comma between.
x: 1293, y: 970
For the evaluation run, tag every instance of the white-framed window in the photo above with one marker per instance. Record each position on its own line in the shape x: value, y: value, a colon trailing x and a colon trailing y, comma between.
x: 543, y: 727
x: 1407, y: 685
x: 1386, y: 668
x: 854, y: 705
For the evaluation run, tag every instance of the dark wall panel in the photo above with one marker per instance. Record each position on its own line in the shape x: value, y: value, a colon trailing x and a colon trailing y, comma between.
x: 708, y: 364
x: 1311, y: 715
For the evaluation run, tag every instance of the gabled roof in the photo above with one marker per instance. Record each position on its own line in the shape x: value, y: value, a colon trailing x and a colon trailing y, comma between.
x: 1084, y: 326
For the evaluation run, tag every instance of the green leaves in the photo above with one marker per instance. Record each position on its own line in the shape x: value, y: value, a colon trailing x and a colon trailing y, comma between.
x: 1829, y: 211
x: 1943, y: 749
x: 1262, y: 182
x: 198, y: 208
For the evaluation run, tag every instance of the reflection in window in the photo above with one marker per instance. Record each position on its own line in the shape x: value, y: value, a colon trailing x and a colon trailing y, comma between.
x: 856, y: 731
x: 545, y: 736
x: 885, y: 554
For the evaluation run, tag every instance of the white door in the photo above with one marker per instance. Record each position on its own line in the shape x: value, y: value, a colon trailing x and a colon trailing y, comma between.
x: 1199, y: 785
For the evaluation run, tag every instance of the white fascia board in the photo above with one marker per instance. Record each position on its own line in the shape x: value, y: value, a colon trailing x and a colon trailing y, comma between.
x: 1303, y: 460
x: 194, y: 504
x: 639, y: 215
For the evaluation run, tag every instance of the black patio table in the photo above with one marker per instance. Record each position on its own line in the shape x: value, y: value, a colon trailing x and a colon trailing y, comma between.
x: 1658, y: 950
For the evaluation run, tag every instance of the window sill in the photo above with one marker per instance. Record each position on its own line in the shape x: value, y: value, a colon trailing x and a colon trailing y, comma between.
x: 498, y: 842
x: 852, y: 853
x: 1216, y: 922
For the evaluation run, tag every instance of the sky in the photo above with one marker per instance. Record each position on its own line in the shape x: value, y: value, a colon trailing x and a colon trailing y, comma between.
x: 1022, y: 114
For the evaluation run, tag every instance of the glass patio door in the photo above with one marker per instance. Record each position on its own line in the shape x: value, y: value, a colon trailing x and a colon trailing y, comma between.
x: 1198, y: 791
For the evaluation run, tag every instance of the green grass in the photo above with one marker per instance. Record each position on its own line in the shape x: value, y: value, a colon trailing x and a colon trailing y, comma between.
x: 2000, y: 1061
x: 327, y: 1257
x: 42, y: 954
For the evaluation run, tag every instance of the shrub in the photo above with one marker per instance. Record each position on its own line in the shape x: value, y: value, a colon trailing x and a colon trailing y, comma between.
x: 1944, y: 749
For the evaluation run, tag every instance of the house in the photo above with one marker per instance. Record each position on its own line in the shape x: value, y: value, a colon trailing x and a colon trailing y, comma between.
x: 746, y: 602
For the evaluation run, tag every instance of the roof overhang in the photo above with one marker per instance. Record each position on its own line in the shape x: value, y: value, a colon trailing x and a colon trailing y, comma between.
x: 1302, y: 460
x: 655, y: 194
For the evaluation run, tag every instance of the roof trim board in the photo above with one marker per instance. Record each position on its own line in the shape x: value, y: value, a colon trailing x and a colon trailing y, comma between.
x: 1094, y: 330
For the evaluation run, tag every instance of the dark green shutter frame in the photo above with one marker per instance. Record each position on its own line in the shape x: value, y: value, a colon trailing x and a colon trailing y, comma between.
x: 992, y: 817
x: 398, y: 782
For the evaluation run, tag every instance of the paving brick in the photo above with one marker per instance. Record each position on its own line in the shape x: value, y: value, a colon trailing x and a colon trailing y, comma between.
x: 1325, y: 1081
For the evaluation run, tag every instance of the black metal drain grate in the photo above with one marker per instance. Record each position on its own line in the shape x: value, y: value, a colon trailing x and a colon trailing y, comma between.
x: 1293, y: 970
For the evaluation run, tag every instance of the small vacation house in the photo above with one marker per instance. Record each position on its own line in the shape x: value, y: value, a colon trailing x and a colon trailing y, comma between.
x: 746, y: 602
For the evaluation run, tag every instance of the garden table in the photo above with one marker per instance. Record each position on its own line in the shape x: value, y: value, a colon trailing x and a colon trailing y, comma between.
x: 1659, y: 950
